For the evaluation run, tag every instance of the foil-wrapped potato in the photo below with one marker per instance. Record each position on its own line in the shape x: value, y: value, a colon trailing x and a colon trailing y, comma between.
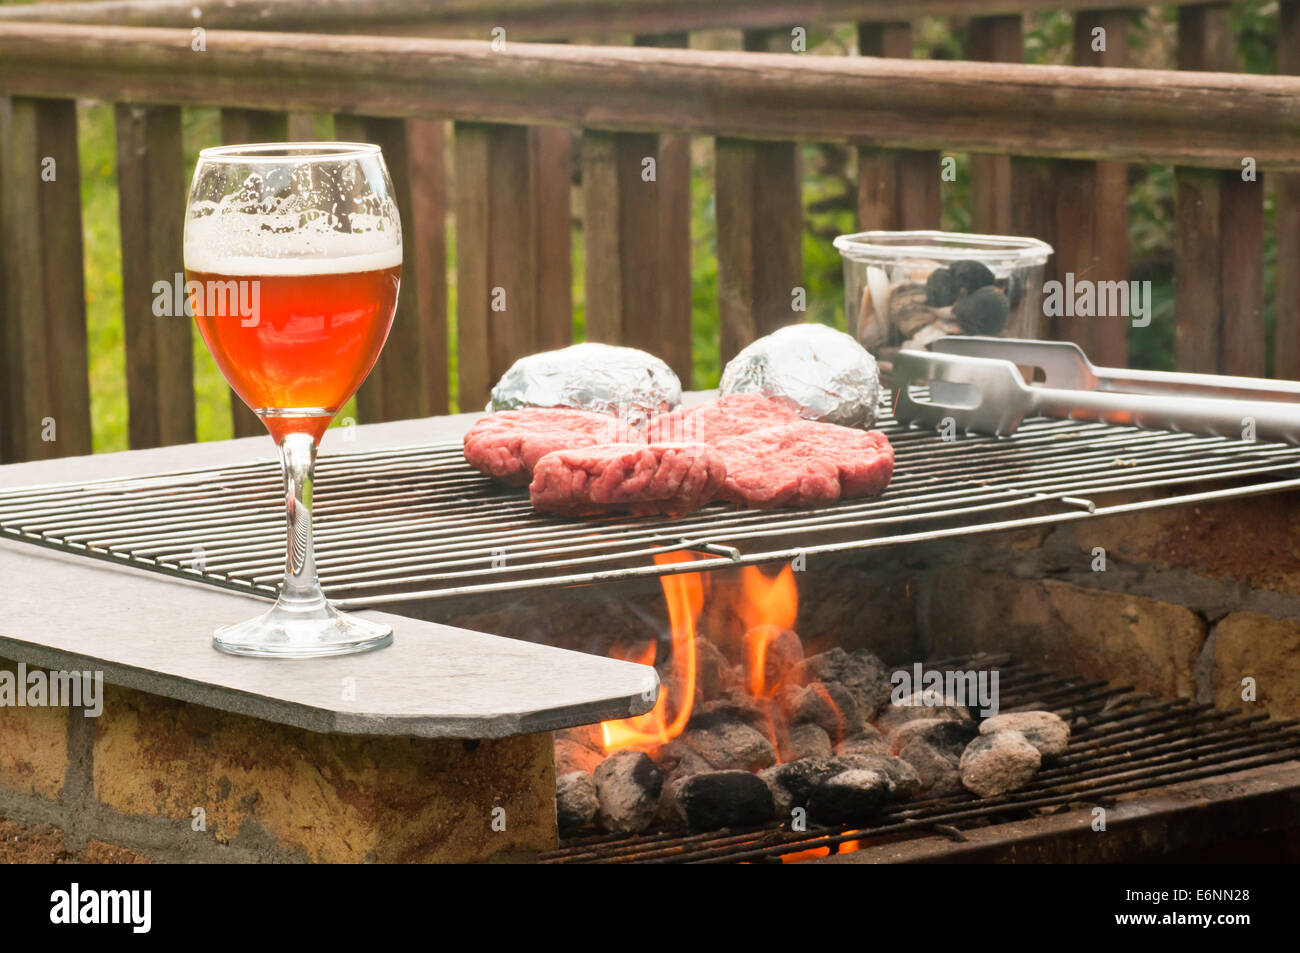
x: 822, y: 373
x: 622, y: 381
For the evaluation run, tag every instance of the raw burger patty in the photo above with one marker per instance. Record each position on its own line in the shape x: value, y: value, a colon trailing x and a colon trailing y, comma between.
x: 671, y: 478
x: 726, y: 417
x: 507, y: 445
x: 805, y: 463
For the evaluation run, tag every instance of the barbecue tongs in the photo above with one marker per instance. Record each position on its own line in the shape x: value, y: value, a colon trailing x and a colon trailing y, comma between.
x: 974, y: 381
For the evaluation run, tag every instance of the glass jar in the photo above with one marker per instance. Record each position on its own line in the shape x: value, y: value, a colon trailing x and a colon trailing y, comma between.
x: 906, y: 289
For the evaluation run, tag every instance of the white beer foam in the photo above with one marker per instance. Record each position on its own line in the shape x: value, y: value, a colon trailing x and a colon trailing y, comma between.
x: 203, y: 261
x: 256, y: 245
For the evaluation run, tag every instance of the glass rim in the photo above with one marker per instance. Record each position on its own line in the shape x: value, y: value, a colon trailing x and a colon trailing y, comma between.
x: 941, y: 245
x: 275, y: 152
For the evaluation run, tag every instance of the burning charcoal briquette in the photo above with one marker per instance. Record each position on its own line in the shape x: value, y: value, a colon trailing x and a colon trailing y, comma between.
x: 940, y: 292
x: 851, y: 721
x: 705, y: 802
x: 999, y: 763
x: 853, y: 795
x: 936, y: 768
x: 926, y: 704
x: 678, y: 760
x: 713, y: 674
x: 628, y: 785
x: 575, y: 801
x: 731, y: 745
x: 782, y: 652
x: 1044, y: 730
x: 806, y: 741
x: 808, y: 705
x: 732, y: 706
x: 984, y: 311
x: 589, y: 736
x: 869, y: 741
x: 904, y: 782
x: 969, y: 276
x: 864, y: 675
x: 948, y: 733
x: 792, y: 782
x: 571, y: 756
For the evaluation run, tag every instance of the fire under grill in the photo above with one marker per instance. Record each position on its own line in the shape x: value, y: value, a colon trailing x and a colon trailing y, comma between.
x: 1121, y: 742
x: 405, y: 525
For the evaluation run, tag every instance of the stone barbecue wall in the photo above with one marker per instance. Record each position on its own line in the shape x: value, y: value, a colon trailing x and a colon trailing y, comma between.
x: 175, y: 781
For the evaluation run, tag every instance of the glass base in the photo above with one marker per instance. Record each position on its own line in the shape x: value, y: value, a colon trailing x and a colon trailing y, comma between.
x: 313, y: 629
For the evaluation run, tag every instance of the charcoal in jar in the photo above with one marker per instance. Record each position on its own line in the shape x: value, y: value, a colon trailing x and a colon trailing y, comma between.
x: 598, y: 377
x: 969, y: 276
x: 983, y: 311
x: 1013, y: 286
x: 824, y: 374
x: 940, y: 292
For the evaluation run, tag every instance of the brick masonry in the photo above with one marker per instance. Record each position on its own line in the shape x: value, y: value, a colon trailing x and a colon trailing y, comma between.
x: 33, y: 748
x: 170, y: 780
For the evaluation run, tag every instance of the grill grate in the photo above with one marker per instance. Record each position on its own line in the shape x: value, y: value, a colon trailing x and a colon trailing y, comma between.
x: 417, y: 523
x: 1121, y: 742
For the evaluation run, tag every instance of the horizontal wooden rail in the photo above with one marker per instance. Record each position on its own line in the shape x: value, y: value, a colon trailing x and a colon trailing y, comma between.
x: 550, y: 18
x: 1151, y: 116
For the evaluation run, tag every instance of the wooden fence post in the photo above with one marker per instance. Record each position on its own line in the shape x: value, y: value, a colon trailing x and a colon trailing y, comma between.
x: 1101, y: 38
x: 897, y: 188
x: 151, y: 203
x: 674, y: 177
x: 760, y: 233
x: 1286, y: 341
x: 45, y: 396
x: 1034, y: 214
x: 552, y: 155
x: 998, y: 39
x: 409, y: 379
x: 496, y: 263
x: 1219, y: 246
x: 626, y: 299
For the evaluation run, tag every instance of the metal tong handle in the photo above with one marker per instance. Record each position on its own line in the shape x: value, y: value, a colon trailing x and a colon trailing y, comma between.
x: 1221, y: 417
x: 1064, y: 365
x: 1001, y: 400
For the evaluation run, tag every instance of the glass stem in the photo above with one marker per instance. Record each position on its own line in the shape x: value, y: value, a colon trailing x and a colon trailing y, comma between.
x: 301, y: 588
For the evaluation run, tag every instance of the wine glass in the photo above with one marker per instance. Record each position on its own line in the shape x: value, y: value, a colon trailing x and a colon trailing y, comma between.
x: 293, y: 257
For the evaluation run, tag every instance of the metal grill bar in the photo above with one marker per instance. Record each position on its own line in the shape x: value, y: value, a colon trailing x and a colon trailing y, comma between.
x: 1121, y: 743
x: 417, y: 523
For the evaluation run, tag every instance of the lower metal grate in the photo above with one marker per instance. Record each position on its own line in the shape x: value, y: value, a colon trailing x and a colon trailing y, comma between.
x: 1121, y: 742
x: 418, y: 523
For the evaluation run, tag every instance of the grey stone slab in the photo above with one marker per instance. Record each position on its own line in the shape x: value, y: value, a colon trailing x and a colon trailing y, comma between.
x: 154, y: 634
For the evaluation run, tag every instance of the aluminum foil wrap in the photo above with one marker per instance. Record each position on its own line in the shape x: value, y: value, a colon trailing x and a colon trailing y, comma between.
x: 823, y: 373
x: 623, y: 381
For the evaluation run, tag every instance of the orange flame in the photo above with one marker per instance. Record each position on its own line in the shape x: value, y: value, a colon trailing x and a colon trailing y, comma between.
x: 767, y: 606
x: 684, y: 594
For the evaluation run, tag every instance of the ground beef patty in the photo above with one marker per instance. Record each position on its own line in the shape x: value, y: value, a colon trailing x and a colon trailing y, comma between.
x: 507, y: 445
x: 671, y: 478
x: 805, y: 463
x: 726, y: 417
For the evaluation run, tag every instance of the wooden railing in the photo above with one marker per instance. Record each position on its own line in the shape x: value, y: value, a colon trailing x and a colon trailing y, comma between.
x: 512, y: 110
x: 542, y: 19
